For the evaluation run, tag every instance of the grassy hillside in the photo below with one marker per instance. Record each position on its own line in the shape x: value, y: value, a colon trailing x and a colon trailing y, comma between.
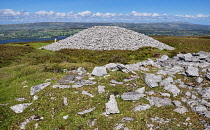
x: 22, y: 66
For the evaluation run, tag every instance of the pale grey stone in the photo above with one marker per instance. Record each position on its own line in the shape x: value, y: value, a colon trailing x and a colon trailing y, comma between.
x: 192, y: 71
x: 150, y: 92
x: 35, y: 97
x: 66, y: 117
x: 205, y: 114
x: 165, y: 94
x: 86, y: 111
x: 200, y: 108
x: 142, y: 107
x: 20, y: 99
x: 124, y: 119
x: 65, y: 101
x: 207, y: 76
x: 23, y: 124
x: 173, y: 89
x: 92, y: 123
x: 81, y: 83
x: 38, y: 88
x: 141, y: 90
x: 181, y: 110
x: 115, y: 82
x: 164, y: 57
x: 99, y: 71
x: 166, y: 81
x: 111, y: 106
x: 132, y: 96
x: 119, y: 126
x: 199, y: 80
x: 152, y: 80
x: 61, y: 86
x: 86, y: 93
x: 188, y: 94
x: 177, y: 103
x: 192, y: 103
x: 159, y: 101
x: 187, y: 57
x: 81, y: 70
x: 101, y: 89
x: 205, y: 103
x: 20, y: 107
x: 205, y: 93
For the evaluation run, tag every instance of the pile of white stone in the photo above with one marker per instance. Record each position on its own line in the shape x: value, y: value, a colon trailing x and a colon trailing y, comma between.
x: 107, y: 38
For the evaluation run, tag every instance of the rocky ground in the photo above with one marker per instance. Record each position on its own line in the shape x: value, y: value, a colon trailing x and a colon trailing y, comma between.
x: 181, y: 82
x: 107, y: 38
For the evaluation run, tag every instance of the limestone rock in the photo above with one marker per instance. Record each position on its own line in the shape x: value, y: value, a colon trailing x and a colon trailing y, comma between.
x: 20, y: 107
x: 192, y: 71
x: 205, y: 93
x: 159, y: 101
x: 61, y: 86
x: 111, y: 106
x: 199, y: 79
x: 124, y: 119
x: 101, y: 89
x: 152, y: 80
x: 115, y: 82
x: 173, y: 89
x: 99, y: 71
x: 142, y: 107
x: 166, y: 81
x: 181, y: 110
x: 38, y: 88
x: 86, y: 93
x: 141, y: 90
x: 164, y: 57
x: 207, y: 76
x: 81, y: 83
x: 132, y: 96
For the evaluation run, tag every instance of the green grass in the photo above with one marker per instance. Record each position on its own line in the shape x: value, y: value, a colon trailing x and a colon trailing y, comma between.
x: 22, y: 64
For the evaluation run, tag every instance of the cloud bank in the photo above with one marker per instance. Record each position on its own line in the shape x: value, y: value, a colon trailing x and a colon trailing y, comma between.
x: 11, y: 16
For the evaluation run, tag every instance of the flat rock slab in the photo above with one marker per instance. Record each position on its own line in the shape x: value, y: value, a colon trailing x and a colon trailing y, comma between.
x: 142, y: 107
x: 61, y: 86
x: 38, y: 88
x: 111, y: 106
x: 133, y: 96
x: 181, y: 110
x: 173, y: 89
x: 83, y: 83
x: 192, y: 71
x: 70, y: 78
x: 20, y: 107
x: 159, y: 101
x: 99, y: 71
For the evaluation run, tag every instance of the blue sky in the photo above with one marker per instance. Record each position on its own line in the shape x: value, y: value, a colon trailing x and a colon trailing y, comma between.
x: 137, y: 11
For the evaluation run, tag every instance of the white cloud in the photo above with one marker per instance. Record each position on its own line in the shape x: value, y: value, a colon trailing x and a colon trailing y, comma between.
x: 9, y: 15
x: 85, y: 13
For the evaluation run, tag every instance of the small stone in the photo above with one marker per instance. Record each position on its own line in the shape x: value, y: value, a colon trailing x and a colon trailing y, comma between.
x: 141, y: 90
x: 199, y: 80
x: 165, y: 94
x: 111, y: 106
x: 86, y: 93
x: 115, y: 82
x: 99, y: 71
x: 132, y: 96
x: 81, y: 83
x: 66, y: 117
x: 173, y: 89
x: 150, y: 92
x: 188, y: 94
x: 200, y: 108
x: 142, y: 107
x: 86, y: 111
x: 61, y: 86
x: 192, y: 71
x: 20, y: 99
x: 101, y: 89
x: 124, y: 119
x: 119, y: 126
x: 164, y: 57
x: 152, y: 80
x: 65, y: 102
x: 35, y: 97
x: 159, y: 101
x: 177, y: 103
x: 20, y: 107
x: 181, y: 110
x: 166, y: 81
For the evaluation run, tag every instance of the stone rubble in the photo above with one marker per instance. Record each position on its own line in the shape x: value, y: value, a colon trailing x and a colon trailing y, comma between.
x: 106, y: 38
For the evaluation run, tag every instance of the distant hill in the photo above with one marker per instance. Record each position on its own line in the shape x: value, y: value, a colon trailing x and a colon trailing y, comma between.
x: 65, y: 29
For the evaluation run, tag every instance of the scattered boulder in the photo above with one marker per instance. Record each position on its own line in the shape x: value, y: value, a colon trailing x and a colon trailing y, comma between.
x: 111, y: 106
x: 192, y: 71
x: 133, y: 96
x: 20, y: 107
x: 173, y: 89
x: 38, y: 88
x: 99, y: 71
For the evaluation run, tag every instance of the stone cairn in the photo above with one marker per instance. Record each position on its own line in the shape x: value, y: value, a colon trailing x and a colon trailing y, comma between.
x: 106, y: 38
